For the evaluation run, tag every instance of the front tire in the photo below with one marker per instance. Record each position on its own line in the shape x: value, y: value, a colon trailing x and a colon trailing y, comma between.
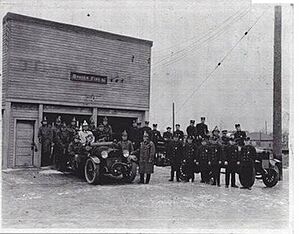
x: 132, y: 173
x: 92, y: 172
x: 270, y: 178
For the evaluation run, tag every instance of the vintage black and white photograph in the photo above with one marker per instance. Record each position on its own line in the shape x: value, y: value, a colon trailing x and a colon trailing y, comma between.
x: 135, y: 116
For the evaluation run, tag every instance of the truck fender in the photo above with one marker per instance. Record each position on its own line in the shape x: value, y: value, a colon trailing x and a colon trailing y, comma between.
x: 95, y: 159
x: 273, y: 163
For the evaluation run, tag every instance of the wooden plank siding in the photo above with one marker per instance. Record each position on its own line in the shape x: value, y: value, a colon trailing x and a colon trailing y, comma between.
x: 42, y: 56
x: 5, y: 58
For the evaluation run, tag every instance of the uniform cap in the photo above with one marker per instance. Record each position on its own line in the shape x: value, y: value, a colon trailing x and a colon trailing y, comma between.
x: 237, y: 125
x: 58, y: 119
x: 146, y: 122
x: 92, y: 120
x: 192, y: 121
x: 145, y: 134
x: 202, y: 118
x: 133, y: 121
x: 124, y: 133
x: 74, y: 119
x: 85, y: 123
x: 154, y: 125
x: 190, y: 137
x: 100, y: 126
x: 224, y: 131
x: 105, y: 118
x: 139, y: 123
x: 177, y: 125
x: 216, y: 129
x: 44, y: 120
x: 169, y: 128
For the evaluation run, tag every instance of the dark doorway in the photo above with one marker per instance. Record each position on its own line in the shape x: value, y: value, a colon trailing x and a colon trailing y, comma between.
x: 67, y: 118
x: 118, y: 124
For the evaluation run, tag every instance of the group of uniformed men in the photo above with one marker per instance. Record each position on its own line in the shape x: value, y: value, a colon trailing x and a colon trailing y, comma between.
x: 55, y: 139
x: 201, y: 152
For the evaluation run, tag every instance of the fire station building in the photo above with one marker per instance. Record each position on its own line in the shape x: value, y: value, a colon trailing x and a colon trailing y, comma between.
x: 52, y: 69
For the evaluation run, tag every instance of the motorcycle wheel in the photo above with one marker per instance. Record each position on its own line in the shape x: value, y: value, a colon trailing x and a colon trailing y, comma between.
x: 132, y: 174
x: 92, y: 172
x: 270, y: 178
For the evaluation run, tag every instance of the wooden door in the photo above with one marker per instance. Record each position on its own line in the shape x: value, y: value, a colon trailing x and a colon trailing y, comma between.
x: 24, y: 143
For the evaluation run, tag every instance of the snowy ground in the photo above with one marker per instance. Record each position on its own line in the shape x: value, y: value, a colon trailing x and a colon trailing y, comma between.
x: 47, y: 199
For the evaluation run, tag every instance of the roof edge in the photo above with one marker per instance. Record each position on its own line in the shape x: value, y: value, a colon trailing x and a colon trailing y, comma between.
x: 75, y: 28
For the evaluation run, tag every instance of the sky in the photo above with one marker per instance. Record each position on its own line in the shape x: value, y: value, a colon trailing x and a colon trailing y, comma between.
x: 189, y: 39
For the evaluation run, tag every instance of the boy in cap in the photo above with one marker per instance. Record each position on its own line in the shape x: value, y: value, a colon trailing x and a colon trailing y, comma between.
x: 75, y: 151
x: 175, y: 154
x: 191, y: 129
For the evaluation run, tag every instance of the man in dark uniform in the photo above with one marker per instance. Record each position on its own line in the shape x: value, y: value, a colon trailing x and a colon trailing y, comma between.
x: 107, y: 129
x: 73, y: 129
x: 55, y: 129
x: 231, y: 163
x: 202, y: 155
x: 247, y: 159
x: 175, y: 154
x: 92, y: 125
x: 133, y: 135
x: 191, y: 129
x: 100, y: 134
x: 189, y: 154
x: 45, y: 136
x: 214, y: 161
x: 178, y: 132
x: 76, y: 153
x: 168, y: 134
x: 202, y: 129
x: 140, y: 132
x: 61, y: 140
x: 216, y: 135
x: 239, y: 135
x: 156, y: 136
x: 224, y: 138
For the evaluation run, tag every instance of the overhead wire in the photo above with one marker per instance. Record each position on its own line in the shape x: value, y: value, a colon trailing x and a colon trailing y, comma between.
x: 221, y: 29
x: 219, y: 64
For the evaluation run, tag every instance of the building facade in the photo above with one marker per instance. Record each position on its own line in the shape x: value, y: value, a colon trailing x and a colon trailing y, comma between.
x: 52, y: 69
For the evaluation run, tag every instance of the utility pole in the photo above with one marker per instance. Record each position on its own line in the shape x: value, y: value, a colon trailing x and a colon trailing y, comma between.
x: 277, y: 129
x: 173, y: 116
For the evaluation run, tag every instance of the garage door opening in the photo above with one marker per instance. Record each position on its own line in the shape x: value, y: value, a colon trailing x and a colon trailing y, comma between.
x: 67, y: 118
x: 118, y: 124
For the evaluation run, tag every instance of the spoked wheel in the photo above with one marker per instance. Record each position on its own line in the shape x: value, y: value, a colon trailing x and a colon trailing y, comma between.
x: 131, y: 174
x: 92, y: 172
x: 270, y: 177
